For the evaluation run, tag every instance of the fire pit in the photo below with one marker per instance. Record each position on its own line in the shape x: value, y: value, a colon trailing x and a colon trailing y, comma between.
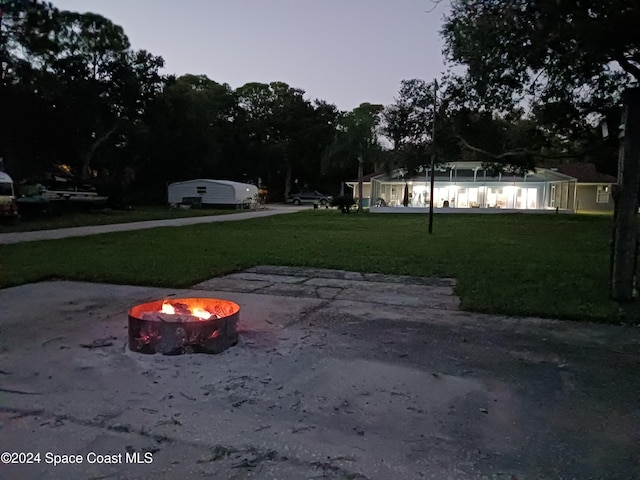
x: 183, y: 325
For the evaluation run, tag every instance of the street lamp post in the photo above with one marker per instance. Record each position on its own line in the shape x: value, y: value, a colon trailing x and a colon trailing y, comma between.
x: 433, y: 154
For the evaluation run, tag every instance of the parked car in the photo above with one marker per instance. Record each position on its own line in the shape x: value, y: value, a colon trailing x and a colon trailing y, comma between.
x: 309, y: 196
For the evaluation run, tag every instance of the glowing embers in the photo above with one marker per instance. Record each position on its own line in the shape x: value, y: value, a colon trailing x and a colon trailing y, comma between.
x: 183, y: 325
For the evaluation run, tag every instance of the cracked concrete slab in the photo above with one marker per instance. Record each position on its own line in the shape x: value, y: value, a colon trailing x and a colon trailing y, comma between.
x: 334, y: 377
x: 340, y: 285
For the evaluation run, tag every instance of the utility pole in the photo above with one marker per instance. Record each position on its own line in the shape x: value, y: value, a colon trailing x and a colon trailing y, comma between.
x: 433, y: 154
x: 625, y: 234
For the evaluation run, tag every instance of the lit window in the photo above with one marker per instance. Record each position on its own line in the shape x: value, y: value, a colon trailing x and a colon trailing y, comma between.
x: 602, y: 194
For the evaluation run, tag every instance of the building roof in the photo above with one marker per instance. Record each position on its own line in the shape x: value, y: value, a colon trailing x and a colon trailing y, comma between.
x: 585, y: 173
x: 211, y: 180
x: 365, y: 178
x: 467, y: 171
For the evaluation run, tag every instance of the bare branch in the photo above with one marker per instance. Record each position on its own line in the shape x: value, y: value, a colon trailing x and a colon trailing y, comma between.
x: 628, y: 67
x: 434, y: 5
x: 88, y: 156
x: 519, y: 152
x: 513, y: 153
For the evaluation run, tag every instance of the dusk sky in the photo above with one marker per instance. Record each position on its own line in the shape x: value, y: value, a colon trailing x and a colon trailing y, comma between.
x: 343, y: 51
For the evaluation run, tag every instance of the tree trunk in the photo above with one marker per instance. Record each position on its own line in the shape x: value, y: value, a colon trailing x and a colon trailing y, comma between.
x: 287, y: 181
x: 87, y: 158
x: 6, y: 151
x: 624, y: 261
x: 7, y: 161
x: 360, y: 175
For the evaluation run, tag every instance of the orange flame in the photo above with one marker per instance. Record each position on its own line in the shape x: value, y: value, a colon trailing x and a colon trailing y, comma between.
x: 195, y: 311
x: 168, y: 308
x: 200, y: 313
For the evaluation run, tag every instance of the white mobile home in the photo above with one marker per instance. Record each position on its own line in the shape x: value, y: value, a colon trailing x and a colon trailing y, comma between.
x: 8, y: 206
x: 212, y: 192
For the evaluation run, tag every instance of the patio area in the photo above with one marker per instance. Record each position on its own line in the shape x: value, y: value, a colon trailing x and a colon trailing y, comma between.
x: 337, y: 375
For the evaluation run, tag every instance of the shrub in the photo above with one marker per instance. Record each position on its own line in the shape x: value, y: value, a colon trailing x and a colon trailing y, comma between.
x: 344, y: 203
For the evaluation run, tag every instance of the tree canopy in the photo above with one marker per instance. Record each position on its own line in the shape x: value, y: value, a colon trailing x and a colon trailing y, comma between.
x: 575, y: 54
x: 76, y: 99
x: 557, y: 66
x: 356, y: 143
x: 75, y: 94
x: 407, y: 123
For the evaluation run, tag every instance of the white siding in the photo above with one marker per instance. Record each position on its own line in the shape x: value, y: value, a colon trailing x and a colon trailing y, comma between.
x: 212, y: 192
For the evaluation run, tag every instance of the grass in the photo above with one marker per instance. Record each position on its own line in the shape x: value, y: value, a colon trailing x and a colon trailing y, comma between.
x: 104, y: 217
x: 553, y: 266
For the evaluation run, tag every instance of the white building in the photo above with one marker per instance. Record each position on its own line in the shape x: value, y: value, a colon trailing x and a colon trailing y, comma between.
x: 212, y: 193
x: 464, y: 185
x: 8, y: 206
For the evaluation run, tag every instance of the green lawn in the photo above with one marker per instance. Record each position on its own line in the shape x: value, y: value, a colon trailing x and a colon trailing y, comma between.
x: 104, y: 217
x: 544, y: 265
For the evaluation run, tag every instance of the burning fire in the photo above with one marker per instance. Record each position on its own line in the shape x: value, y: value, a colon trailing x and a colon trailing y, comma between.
x: 168, y: 308
x: 196, y: 311
x: 201, y: 313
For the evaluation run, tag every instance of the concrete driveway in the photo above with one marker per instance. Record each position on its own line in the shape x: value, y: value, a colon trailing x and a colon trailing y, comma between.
x: 337, y: 375
x: 18, y: 237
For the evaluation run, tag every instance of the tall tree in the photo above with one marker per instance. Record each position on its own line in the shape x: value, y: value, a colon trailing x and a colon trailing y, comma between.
x: 75, y: 84
x: 562, y: 62
x: 408, y: 119
x: 105, y: 84
x: 408, y: 124
x: 286, y: 133
x: 580, y: 54
x: 503, y: 143
x: 186, y: 132
x: 26, y: 28
x: 357, y: 141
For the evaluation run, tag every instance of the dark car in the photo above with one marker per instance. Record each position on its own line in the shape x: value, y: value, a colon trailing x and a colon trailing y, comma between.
x: 309, y: 196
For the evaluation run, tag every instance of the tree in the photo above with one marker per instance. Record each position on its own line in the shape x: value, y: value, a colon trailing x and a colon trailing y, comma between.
x: 565, y: 61
x: 285, y: 133
x: 503, y: 143
x: 408, y: 120
x: 408, y: 124
x: 559, y: 65
x: 356, y: 141
x: 74, y: 88
x: 579, y: 55
x: 25, y: 28
x: 186, y: 132
x: 102, y: 84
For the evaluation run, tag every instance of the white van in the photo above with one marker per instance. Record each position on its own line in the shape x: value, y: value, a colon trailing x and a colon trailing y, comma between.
x: 8, y: 205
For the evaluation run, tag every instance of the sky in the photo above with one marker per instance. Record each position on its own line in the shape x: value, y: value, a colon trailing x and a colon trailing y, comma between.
x: 342, y: 51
